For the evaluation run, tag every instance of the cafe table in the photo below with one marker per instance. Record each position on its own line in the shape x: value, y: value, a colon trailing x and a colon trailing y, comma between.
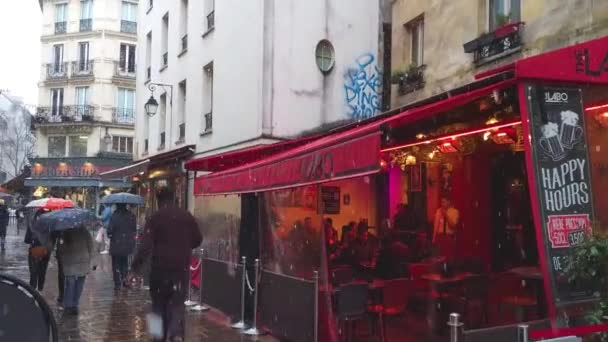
x: 535, y: 276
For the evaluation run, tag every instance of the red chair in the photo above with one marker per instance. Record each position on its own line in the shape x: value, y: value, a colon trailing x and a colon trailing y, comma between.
x: 395, y: 298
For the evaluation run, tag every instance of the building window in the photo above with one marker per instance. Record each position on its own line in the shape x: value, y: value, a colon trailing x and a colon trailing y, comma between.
x: 127, y: 58
x: 165, y: 42
x: 148, y: 56
x: 123, y: 144
x: 162, y: 120
x: 125, y: 106
x: 324, y: 55
x: 208, y: 98
x: 57, y: 102
x: 150, y: 4
x: 78, y: 145
x: 83, y: 57
x: 61, y: 18
x: 129, y: 17
x: 56, y: 147
x: 503, y: 12
x: 184, y: 25
x: 86, y: 15
x: 82, y: 102
x: 181, y: 114
x: 58, y: 67
x: 416, y: 37
x: 210, y: 14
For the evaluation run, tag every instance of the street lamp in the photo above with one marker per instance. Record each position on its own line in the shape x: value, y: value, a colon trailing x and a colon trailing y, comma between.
x: 151, y: 106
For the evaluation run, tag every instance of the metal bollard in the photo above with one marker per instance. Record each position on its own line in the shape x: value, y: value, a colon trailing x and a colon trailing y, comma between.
x: 200, y: 307
x: 190, y: 302
x: 241, y: 324
x: 455, y: 327
x: 522, y: 333
x: 253, y: 331
x: 316, y: 322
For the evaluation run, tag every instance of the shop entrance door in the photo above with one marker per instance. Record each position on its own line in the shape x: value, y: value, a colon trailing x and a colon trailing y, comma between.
x: 513, y: 235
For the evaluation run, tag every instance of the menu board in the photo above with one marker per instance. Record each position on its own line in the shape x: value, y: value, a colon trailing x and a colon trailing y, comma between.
x: 561, y: 164
x: 329, y: 201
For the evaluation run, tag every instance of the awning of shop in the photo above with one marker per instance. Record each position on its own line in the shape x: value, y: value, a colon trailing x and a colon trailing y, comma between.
x: 75, y: 182
x: 349, y: 154
x: 353, y: 152
x: 126, y: 171
x: 585, y: 62
x: 224, y: 161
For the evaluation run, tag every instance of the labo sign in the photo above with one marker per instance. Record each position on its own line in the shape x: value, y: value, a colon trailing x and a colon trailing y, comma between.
x: 563, y: 180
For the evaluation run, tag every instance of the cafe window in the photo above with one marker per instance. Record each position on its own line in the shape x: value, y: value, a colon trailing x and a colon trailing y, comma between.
x: 122, y: 144
x: 503, y: 12
x: 416, y: 37
x: 78, y: 146
x: 57, y: 147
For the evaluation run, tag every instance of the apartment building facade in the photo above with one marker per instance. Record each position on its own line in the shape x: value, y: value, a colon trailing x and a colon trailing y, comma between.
x: 84, y: 124
x: 229, y: 75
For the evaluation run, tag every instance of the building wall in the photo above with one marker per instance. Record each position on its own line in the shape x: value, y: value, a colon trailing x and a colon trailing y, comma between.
x: 266, y: 84
x: 449, y: 24
x: 104, y: 40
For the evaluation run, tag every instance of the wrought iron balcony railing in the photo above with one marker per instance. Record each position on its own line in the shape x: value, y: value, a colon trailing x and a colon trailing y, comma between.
x: 61, y: 27
x: 490, y: 46
x: 208, y: 122
x: 57, y: 71
x: 211, y: 20
x: 185, y: 42
x: 62, y: 114
x: 125, y: 116
x: 125, y: 70
x: 86, y: 25
x: 82, y: 69
x: 127, y: 26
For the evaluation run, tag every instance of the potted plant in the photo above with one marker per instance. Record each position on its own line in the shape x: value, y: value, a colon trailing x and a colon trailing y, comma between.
x: 409, y: 79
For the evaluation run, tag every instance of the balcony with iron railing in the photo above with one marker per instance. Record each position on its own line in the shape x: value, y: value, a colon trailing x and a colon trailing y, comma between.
x: 57, y: 71
x: 82, y: 69
x: 86, y: 25
x: 125, y: 70
x: 208, y: 123
x: 123, y: 116
x: 127, y: 26
x: 64, y: 114
x: 61, y: 27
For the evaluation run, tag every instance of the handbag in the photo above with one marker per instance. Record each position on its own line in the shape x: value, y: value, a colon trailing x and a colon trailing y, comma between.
x: 39, y: 252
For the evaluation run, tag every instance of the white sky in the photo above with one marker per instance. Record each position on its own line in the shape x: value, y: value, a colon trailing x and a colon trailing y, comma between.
x: 20, y: 24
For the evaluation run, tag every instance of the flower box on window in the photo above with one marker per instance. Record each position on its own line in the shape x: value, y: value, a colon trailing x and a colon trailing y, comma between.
x: 502, y: 42
x: 409, y: 80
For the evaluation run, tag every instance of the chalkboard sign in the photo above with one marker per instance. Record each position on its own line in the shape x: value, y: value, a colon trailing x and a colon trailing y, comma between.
x: 329, y: 200
x: 561, y: 165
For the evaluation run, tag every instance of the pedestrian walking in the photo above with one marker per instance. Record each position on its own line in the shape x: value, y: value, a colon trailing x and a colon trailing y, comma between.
x: 4, y: 218
x: 76, y: 251
x: 38, y: 256
x: 169, y: 237
x: 121, y: 230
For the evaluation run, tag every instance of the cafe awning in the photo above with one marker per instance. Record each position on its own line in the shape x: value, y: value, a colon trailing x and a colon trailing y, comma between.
x: 66, y: 182
x: 126, y: 171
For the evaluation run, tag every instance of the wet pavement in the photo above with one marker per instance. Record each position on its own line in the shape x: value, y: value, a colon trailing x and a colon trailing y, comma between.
x: 105, y: 315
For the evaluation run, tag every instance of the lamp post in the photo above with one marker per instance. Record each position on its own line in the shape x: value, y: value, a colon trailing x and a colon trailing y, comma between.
x: 151, y: 105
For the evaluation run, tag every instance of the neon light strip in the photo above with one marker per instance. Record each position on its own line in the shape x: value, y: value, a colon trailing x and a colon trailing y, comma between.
x: 596, y: 107
x: 481, y: 130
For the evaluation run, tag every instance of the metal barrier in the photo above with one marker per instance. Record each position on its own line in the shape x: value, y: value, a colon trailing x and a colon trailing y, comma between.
x: 241, y: 324
x: 222, y: 288
x: 200, y: 307
x: 253, y: 331
x: 508, y: 333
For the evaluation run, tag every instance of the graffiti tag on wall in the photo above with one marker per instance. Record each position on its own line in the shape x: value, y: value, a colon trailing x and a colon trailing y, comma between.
x: 363, y: 87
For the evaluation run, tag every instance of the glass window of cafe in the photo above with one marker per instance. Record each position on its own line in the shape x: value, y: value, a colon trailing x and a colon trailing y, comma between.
x: 455, y: 231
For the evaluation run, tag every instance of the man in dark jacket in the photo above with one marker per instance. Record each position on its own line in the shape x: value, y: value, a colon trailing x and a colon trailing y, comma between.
x: 4, y: 218
x: 170, y: 235
x: 121, y: 230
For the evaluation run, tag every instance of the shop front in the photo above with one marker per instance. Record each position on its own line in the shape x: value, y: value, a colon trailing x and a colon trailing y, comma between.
x: 480, y: 202
x: 77, y: 179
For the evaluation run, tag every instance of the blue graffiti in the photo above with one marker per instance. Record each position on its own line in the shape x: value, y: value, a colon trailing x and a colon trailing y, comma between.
x: 363, y: 87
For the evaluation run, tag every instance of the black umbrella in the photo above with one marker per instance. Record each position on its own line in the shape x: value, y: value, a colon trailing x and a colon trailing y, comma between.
x: 123, y: 198
x: 62, y: 220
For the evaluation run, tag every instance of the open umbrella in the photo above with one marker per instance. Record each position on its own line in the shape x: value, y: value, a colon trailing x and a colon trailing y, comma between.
x: 123, y: 198
x: 62, y: 220
x: 50, y: 203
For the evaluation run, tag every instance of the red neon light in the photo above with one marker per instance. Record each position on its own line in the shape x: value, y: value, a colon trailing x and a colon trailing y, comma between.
x: 596, y: 107
x: 453, y: 136
x: 605, y: 114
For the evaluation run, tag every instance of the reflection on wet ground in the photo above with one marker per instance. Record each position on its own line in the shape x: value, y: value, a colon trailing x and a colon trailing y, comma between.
x: 105, y: 315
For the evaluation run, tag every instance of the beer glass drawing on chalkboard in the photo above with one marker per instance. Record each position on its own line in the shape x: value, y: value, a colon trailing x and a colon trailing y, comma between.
x: 550, y: 142
x: 570, y: 132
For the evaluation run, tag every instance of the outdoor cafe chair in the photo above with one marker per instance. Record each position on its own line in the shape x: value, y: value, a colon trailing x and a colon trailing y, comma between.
x: 351, y: 306
x: 394, y: 302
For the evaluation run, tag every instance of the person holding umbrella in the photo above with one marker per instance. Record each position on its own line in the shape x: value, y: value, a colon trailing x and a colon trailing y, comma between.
x: 38, y: 255
x: 121, y: 230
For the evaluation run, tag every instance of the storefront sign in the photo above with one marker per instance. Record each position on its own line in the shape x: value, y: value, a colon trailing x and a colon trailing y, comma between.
x: 351, y: 158
x: 563, y: 179
x: 72, y: 167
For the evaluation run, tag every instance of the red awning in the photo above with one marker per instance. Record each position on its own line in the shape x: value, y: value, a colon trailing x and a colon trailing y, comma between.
x: 126, y: 171
x: 224, y: 161
x: 585, y: 62
x: 348, y: 154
